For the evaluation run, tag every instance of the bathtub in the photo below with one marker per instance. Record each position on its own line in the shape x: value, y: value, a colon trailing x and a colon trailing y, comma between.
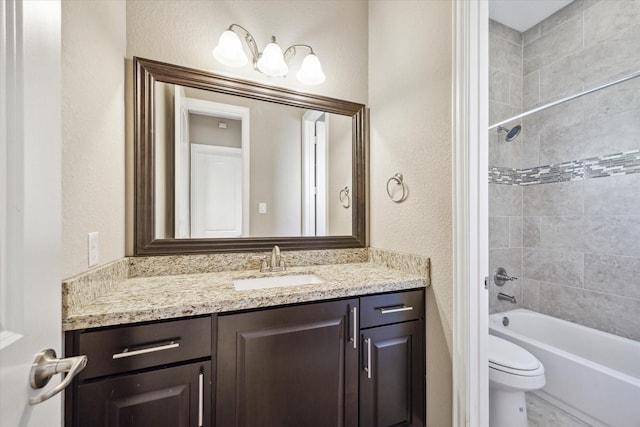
x: 593, y: 375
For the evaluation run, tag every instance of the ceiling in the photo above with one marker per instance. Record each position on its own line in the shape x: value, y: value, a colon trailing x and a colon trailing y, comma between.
x: 523, y: 14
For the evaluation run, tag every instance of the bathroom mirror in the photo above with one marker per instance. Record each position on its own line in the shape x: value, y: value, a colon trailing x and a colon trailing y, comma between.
x: 226, y: 165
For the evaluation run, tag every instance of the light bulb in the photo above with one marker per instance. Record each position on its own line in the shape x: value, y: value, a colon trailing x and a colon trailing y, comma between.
x: 229, y: 50
x: 271, y: 61
x: 310, y: 72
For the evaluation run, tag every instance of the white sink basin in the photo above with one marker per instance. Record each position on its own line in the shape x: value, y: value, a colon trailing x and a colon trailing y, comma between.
x: 276, y: 281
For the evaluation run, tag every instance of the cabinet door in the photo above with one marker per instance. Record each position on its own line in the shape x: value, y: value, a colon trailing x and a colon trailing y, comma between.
x: 392, y: 380
x: 292, y: 366
x: 171, y: 397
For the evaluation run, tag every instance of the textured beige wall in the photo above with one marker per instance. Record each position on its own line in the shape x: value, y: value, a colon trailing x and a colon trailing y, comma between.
x: 184, y: 33
x: 93, y: 173
x: 408, y: 74
x: 410, y: 101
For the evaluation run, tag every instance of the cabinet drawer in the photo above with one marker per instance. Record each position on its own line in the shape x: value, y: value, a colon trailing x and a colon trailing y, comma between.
x: 396, y: 307
x: 169, y: 397
x: 130, y: 348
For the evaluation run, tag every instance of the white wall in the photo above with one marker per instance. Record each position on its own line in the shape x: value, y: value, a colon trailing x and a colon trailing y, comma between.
x: 185, y: 33
x: 410, y: 53
x: 171, y: 32
x: 339, y: 175
x: 93, y: 173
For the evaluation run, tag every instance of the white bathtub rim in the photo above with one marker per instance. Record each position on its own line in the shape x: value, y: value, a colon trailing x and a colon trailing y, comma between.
x: 504, y: 331
x: 591, y: 330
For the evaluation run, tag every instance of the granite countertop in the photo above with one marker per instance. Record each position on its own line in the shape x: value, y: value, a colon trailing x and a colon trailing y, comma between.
x: 166, y: 297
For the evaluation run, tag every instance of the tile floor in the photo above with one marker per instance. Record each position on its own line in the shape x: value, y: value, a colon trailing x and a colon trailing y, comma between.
x: 541, y: 413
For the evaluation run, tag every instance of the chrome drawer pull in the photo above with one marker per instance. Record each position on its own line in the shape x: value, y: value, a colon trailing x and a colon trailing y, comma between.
x: 368, y: 367
x: 127, y: 353
x: 385, y: 310
x: 200, y: 398
x: 353, y: 339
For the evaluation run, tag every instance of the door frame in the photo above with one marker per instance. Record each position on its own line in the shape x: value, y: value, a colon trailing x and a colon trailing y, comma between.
x: 314, y: 169
x: 470, y: 221
x: 183, y: 170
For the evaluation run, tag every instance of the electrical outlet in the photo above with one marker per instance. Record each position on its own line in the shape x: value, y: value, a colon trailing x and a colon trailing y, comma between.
x: 94, y: 245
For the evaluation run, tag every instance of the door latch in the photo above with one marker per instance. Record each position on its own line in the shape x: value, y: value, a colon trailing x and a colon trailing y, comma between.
x: 45, y: 366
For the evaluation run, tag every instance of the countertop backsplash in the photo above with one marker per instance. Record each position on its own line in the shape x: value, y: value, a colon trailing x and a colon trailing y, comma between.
x: 241, y: 261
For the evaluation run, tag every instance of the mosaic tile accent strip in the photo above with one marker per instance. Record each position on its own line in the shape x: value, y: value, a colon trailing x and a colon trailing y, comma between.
x: 506, y: 176
x: 624, y: 163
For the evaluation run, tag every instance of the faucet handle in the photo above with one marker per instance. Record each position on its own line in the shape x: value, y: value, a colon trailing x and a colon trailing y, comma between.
x: 500, y: 277
x: 263, y: 266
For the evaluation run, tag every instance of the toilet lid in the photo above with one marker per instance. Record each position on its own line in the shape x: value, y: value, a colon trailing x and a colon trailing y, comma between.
x: 503, y: 353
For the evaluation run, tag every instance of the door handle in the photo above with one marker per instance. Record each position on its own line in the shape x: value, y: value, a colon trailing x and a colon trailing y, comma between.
x: 45, y: 366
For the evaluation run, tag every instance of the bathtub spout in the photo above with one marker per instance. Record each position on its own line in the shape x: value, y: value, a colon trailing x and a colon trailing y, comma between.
x: 505, y: 297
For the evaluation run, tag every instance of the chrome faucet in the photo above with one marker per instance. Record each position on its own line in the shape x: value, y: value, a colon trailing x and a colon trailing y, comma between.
x: 277, y: 262
x: 505, y: 297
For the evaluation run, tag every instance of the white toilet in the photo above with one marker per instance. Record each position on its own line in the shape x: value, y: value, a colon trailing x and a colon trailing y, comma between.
x: 512, y: 372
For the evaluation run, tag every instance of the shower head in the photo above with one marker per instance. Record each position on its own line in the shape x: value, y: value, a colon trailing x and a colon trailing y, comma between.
x: 511, y: 133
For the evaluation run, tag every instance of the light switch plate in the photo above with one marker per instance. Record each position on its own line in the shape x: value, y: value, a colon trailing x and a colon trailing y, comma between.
x: 262, y: 208
x: 94, y: 244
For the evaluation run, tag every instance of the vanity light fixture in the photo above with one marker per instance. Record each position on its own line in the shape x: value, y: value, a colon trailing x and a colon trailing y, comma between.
x: 272, y: 61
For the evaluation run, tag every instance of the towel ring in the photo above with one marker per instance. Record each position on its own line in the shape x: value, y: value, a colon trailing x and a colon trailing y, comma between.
x: 345, y: 199
x: 399, y: 181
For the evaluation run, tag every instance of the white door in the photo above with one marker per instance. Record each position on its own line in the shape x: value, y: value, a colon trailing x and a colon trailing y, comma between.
x: 184, y: 174
x: 216, y: 191
x: 30, y: 200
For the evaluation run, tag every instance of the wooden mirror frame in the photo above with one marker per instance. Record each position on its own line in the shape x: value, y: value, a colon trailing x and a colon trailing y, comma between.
x: 146, y: 73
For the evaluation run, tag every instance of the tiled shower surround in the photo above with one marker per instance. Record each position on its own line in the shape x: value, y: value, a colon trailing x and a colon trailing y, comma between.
x: 565, y: 195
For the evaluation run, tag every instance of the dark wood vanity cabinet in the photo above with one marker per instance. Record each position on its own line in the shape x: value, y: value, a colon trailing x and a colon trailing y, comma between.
x: 349, y: 362
x: 289, y: 367
x: 155, y: 375
x: 298, y: 366
x: 392, y: 375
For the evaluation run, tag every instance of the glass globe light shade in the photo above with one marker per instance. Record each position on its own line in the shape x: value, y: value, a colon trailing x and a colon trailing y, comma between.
x: 229, y: 50
x: 310, y: 72
x: 272, y: 62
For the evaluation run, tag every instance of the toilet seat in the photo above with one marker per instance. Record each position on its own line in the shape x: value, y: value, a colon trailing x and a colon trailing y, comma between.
x: 512, y: 359
x: 513, y: 371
